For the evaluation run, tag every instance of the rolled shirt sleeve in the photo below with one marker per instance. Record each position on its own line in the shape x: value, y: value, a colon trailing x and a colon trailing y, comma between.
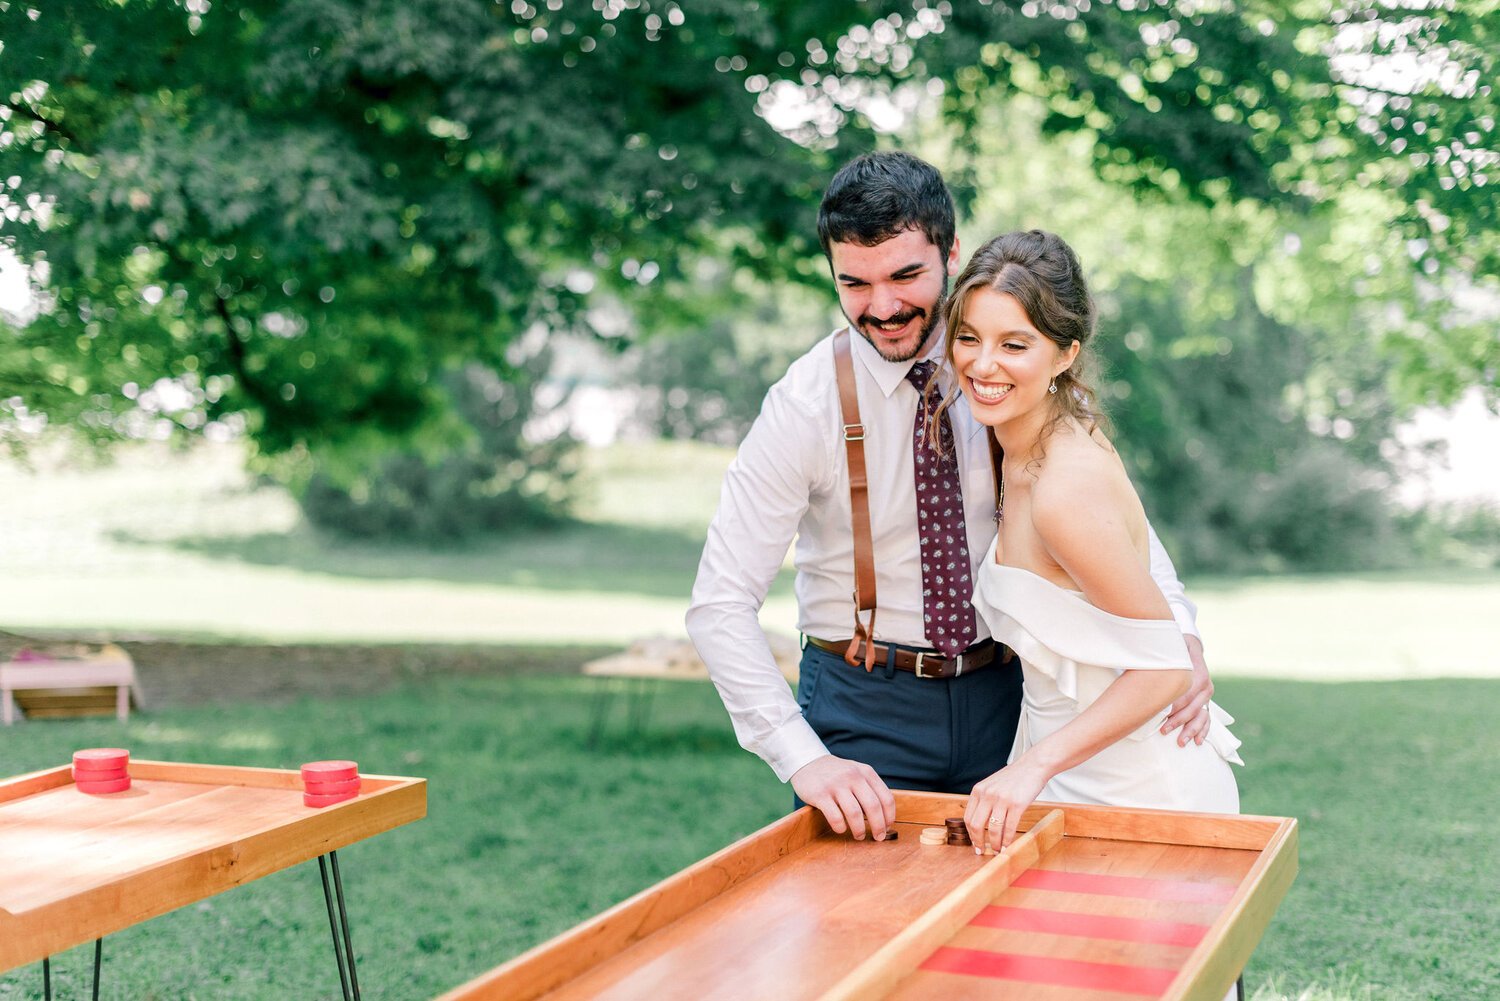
x: 1165, y: 575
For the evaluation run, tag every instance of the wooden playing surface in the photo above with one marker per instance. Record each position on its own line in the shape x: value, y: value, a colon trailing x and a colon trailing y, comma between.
x: 1092, y: 904
x: 77, y: 867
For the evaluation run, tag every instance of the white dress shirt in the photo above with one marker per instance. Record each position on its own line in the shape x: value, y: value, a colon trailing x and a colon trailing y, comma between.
x: 789, y: 480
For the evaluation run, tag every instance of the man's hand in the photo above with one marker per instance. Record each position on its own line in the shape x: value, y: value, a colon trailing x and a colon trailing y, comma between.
x: 1191, y: 711
x: 849, y: 793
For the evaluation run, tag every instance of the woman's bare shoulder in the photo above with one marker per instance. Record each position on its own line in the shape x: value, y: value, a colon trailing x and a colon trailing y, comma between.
x: 1081, y: 481
x: 1079, y: 457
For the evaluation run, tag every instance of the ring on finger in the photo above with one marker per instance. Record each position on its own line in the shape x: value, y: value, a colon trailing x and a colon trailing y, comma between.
x: 996, y: 823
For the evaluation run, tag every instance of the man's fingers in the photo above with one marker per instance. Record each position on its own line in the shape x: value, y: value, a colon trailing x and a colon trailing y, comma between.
x: 1196, y: 728
x: 877, y: 802
x: 1181, y: 713
x: 871, y: 810
x: 887, y: 802
x: 854, y: 814
x: 829, y: 807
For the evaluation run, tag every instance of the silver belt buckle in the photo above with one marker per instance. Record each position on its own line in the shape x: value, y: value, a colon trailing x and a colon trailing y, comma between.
x: 932, y: 677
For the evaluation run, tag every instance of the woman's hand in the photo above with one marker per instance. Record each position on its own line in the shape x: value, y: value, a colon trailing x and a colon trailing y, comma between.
x: 996, y: 804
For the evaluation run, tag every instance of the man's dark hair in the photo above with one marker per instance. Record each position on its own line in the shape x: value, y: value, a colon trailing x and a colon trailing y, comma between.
x: 877, y: 195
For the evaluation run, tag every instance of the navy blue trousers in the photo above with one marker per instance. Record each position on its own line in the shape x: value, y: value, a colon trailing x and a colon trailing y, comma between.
x: 917, y: 733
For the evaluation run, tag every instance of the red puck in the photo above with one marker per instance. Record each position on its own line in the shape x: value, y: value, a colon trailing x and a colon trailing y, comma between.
x: 114, y: 775
x: 101, y: 788
x: 314, y: 800
x: 101, y: 759
x: 329, y: 771
x: 331, y: 788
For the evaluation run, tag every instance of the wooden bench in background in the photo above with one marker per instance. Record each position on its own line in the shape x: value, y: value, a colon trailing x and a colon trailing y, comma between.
x: 71, y: 681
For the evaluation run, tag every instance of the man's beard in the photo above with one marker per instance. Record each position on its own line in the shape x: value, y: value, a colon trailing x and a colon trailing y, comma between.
x: 906, y: 316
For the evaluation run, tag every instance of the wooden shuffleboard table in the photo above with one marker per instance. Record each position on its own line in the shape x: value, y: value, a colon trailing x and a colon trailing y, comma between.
x: 78, y: 867
x: 1090, y: 904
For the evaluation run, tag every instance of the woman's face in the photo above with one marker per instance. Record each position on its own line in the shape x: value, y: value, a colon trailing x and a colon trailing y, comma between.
x: 1004, y: 364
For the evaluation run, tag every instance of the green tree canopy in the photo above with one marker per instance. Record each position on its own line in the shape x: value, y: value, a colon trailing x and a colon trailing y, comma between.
x: 313, y: 213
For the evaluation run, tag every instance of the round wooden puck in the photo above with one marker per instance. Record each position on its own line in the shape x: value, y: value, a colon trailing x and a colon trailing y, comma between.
x: 329, y: 771
x: 101, y: 759
x: 103, y: 788
x: 321, y: 788
x: 309, y: 799
x: 113, y: 775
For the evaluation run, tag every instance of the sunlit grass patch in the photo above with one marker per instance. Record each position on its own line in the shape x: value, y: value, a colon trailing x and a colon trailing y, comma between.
x: 529, y: 831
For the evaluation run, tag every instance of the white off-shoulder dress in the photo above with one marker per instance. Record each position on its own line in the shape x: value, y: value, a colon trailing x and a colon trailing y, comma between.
x: 1070, y: 653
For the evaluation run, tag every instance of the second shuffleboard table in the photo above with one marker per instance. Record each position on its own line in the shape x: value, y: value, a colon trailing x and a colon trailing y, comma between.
x: 1090, y: 904
x: 78, y: 867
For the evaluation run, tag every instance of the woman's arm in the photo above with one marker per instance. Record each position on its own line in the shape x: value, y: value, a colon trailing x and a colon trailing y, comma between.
x: 1084, y: 520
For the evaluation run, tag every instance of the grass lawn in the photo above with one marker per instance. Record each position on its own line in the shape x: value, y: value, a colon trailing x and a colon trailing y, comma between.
x: 528, y: 833
x: 164, y: 543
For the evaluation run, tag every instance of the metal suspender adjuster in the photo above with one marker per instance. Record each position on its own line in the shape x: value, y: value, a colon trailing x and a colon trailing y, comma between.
x: 854, y: 432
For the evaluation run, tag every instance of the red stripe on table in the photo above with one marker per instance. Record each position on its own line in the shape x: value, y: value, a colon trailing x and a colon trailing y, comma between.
x: 1145, y: 980
x: 1176, y: 890
x: 1091, y: 925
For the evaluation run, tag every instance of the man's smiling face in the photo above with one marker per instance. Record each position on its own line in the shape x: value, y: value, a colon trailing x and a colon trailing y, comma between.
x: 893, y: 292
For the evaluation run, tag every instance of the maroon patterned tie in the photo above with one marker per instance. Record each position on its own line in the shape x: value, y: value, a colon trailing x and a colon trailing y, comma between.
x: 946, y: 589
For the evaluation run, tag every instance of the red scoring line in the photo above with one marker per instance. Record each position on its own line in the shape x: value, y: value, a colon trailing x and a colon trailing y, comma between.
x: 1144, y: 980
x: 1124, y: 929
x: 1176, y: 890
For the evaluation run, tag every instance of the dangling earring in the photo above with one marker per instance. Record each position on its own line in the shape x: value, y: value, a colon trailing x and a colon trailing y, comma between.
x: 1052, y: 389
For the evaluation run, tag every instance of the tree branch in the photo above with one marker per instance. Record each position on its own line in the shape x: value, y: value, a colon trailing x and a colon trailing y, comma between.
x: 46, y: 123
x: 252, y: 389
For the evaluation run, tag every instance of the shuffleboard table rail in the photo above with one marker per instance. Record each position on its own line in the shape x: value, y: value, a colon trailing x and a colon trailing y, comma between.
x: 1089, y: 902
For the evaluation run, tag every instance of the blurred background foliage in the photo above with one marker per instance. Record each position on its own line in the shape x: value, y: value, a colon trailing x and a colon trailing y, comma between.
x: 360, y: 234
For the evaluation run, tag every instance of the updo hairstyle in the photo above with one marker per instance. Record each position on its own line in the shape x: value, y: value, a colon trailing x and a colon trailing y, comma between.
x: 1043, y: 274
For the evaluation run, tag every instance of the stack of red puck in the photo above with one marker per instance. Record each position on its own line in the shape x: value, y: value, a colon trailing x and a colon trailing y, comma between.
x: 325, y: 783
x: 101, y: 770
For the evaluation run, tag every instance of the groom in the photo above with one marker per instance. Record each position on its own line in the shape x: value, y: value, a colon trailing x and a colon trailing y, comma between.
x: 912, y: 694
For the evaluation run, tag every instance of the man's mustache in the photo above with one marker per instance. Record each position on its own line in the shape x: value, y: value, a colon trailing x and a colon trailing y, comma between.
x: 905, y: 316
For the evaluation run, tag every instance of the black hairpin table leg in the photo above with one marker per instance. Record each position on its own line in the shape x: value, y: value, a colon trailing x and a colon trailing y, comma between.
x: 338, y: 925
x: 47, y: 971
x: 338, y: 889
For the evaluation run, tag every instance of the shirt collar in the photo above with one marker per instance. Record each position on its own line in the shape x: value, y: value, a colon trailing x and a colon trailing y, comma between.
x: 890, y: 374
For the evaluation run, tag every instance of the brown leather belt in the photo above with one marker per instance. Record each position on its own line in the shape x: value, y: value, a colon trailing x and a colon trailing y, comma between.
x: 924, y: 663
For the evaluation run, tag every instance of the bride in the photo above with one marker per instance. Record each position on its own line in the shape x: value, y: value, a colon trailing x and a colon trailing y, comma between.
x: 1067, y: 584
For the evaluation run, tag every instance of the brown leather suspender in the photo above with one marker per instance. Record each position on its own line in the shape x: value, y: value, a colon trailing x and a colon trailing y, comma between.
x: 859, y: 501
x: 859, y: 505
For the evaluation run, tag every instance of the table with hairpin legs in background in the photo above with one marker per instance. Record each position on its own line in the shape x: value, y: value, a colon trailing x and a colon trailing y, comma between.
x: 78, y: 867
